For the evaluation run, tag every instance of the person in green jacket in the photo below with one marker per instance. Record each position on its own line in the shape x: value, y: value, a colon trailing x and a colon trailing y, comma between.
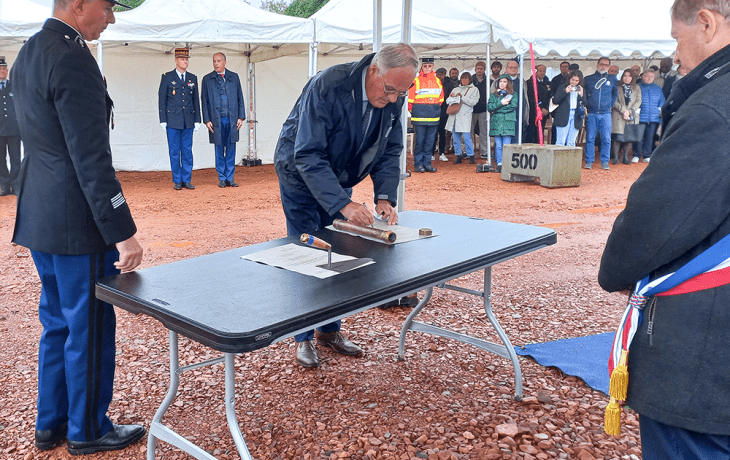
x: 502, y: 106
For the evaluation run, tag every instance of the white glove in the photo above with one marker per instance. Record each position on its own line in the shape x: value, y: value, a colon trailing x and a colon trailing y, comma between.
x: 197, y: 126
x: 164, y: 125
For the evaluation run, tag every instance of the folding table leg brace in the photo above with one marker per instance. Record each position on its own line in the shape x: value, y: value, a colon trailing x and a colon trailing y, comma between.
x: 163, y: 433
x: 505, y: 351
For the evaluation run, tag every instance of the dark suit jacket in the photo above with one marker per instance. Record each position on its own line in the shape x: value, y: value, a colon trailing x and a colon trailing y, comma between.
x: 8, y: 119
x: 210, y: 104
x: 321, y: 146
x: 70, y: 201
x: 179, y: 103
x: 543, y: 98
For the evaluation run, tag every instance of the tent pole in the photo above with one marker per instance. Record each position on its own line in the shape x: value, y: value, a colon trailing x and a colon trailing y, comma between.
x: 405, y: 38
x: 100, y: 56
x: 252, y: 86
x: 377, y: 25
x: 313, y: 49
x: 521, y: 99
x: 485, y: 136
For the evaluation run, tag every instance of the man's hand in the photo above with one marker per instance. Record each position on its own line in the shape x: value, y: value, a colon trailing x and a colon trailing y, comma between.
x: 239, y: 123
x: 358, y: 214
x: 130, y: 254
x: 209, y: 124
x: 544, y: 112
x: 385, y: 210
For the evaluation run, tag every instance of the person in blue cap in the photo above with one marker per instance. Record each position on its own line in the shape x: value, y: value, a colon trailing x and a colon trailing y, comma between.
x: 73, y: 216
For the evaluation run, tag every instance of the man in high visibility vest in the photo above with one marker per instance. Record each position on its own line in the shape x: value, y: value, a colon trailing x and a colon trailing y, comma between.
x: 424, y: 102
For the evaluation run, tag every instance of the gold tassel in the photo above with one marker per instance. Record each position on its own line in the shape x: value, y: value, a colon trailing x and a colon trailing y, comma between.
x: 619, y: 384
x: 612, y: 421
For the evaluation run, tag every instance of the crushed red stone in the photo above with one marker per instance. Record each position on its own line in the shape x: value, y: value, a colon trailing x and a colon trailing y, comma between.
x: 447, y: 400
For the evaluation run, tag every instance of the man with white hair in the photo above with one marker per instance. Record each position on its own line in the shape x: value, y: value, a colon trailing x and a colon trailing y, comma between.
x: 345, y: 126
x: 676, y: 220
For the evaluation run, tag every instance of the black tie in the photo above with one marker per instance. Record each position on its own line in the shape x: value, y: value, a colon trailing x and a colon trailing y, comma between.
x: 366, y: 119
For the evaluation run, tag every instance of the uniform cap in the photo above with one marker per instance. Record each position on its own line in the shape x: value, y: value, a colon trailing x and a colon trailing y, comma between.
x: 119, y: 4
x: 427, y: 60
x: 3, y: 62
x: 182, y: 52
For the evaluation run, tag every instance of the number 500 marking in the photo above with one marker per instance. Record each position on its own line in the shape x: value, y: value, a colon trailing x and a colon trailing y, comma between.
x: 524, y: 161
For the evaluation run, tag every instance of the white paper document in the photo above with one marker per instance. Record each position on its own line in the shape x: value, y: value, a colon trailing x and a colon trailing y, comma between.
x: 300, y: 259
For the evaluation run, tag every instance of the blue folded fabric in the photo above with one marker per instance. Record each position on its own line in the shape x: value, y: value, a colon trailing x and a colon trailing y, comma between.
x: 583, y: 357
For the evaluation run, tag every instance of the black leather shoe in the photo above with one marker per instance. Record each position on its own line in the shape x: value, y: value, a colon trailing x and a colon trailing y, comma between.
x: 48, y: 439
x: 472, y: 160
x: 188, y: 185
x: 177, y: 186
x: 119, y: 437
x: 307, y: 354
x: 419, y: 169
x: 338, y: 342
x: 232, y: 184
x: 222, y: 184
x: 458, y: 159
x: 429, y: 168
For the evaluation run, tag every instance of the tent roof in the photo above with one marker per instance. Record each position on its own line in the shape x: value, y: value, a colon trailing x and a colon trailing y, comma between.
x: 623, y: 26
x: 212, y: 21
x: 22, y: 18
x: 351, y: 21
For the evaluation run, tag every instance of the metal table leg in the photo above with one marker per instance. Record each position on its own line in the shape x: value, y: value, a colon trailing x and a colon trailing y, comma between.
x: 159, y: 431
x: 506, y: 350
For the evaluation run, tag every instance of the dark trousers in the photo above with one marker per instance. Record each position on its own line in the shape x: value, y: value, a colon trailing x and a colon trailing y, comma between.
x: 425, y: 140
x: 76, y: 351
x: 225, y: 154
x: 9, y: 148
x: 646, y: 147
x: 441, y: 134
x: 304, y: 215
x: 662, y: 442
x: 180, y: 143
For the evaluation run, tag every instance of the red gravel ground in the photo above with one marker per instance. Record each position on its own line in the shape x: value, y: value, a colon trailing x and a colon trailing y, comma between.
x: 445, y: 401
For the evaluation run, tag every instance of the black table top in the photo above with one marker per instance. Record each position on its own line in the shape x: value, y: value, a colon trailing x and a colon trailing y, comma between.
x: 236, y: 305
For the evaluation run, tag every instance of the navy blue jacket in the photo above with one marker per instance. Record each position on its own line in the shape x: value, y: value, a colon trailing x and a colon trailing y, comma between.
x: 601, y: 91
x: 179, y: 103
x: 680, y: 374
x: 652, y: 100
x: 70, y: 201
x: 8, y: 118
x: 319, y: 145
x: 211, y: 104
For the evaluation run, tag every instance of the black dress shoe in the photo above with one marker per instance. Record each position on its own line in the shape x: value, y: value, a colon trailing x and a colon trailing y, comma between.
x: 338, y: 342
x: 48, y: 439
x: 177, y: 186
x: 307, y: 354
x: 222, y: 184
x: 419, y: 169
x: 232, y: 184
x: 188, y: 185
x: 429, y: 168
x: 119, y: 437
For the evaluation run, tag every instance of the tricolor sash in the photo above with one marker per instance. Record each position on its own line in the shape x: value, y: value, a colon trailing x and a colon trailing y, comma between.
x: 708, y: 270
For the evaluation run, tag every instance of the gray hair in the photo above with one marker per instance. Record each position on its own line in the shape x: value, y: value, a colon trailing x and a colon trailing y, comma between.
x: 398, y: 55
x: 686, y: 10
x: 223, y: 55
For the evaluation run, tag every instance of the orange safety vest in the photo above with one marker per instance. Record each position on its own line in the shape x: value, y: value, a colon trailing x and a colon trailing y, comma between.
x: 425, y: 97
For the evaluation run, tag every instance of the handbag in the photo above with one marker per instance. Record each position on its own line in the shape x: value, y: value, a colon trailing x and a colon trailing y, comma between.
x: 453, y: 109
x: 632, y: 133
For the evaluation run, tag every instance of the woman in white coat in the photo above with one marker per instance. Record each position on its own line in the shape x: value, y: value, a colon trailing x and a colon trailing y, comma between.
x: 460, y: 123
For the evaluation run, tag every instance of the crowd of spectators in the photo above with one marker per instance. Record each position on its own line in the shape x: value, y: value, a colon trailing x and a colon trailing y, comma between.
x: 615, y: 111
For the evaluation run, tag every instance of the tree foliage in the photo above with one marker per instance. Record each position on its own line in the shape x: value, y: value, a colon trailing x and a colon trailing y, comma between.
x: 304, y: 8
x: 275, y: 6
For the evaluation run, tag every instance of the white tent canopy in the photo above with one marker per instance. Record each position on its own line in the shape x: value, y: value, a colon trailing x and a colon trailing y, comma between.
x: 21, y: 18
x: 196, y: 21
x: 622, y: 26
